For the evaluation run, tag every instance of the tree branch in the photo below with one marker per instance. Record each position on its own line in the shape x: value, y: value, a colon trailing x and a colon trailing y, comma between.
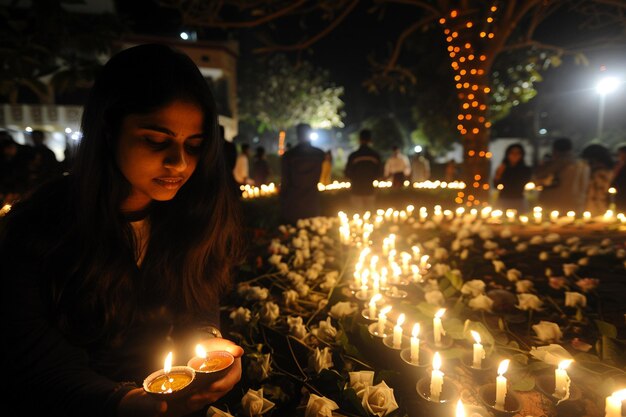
x: 312, y: 40
x: 417, y: 3
x: 398, y: 46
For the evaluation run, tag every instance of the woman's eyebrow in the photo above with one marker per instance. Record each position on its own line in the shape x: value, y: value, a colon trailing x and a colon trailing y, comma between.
x: 168, y: 132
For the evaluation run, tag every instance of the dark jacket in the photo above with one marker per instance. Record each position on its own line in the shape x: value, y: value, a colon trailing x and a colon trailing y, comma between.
x: 513, y: 179
x: 363, y: 167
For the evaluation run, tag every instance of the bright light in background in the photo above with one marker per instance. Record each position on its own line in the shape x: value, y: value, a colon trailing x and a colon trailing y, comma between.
x: 184, y: 36
x: 68, y: 130
x: 542, y: 131
x: 76, y: 135
x: 314, y: 136
x: 607, y: 85
x: 28, y: 129
x: 417, y: 149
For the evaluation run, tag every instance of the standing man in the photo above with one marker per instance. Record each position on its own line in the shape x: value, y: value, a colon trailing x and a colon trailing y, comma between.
x: 363, y: 167
x: 420, y: 168
x: 301, y: 167
x: 397, y: 167
x: 241, y: 172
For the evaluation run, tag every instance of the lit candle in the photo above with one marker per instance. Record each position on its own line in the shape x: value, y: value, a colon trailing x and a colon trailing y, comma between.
x: 479, y: 351
x: 382, y: 320
x: 372, y: 305
x: 437, y: 326
x: 614, y: 401
x: 376, y: 285
x: 587, y: 216
x: 554, y: 215
x: 561, y: 380
x: 436, y: 378
x: 397, y: 332
x: 501, y: 384
x: 169, y: 380
x: 415, y: 343
x: 460, y: 410
x: 167, y: 368
x: 383, y: 277
x: 523, y: 219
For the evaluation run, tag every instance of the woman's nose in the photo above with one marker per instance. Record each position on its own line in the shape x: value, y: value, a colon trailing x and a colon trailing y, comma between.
x: 176, y: 159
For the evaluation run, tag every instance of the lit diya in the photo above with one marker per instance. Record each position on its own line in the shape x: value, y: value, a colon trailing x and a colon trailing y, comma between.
x: 170, y: 381
x: 210, y: 366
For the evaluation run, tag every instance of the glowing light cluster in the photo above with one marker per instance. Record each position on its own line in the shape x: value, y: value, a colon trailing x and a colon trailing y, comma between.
x: 250, y: 191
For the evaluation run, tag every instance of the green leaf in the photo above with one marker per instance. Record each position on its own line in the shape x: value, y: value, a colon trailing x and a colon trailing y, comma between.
x: 353, y: 402
x: 526, y: 383
x: 428, y: 310
x: 454, y: 328
x: 538, y: 366
x: 455, y: 280
x: 606, y: 329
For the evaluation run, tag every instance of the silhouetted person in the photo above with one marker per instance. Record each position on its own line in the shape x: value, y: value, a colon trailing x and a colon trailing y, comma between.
x: 300, y: 171
x: 260, y: 167
x: 619, y: 179
x: 42, y: 163
x: 511, y: 177
x: 564, y: 179
x: 363, y: 167
x: 397, y: 167
x: 600, y: 163
x: 13, y: 169
x: 420, y: 168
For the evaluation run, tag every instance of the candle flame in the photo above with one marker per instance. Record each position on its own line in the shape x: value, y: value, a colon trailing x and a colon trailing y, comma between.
x: 619, y: 395
x: 476, y: 336
x: 200, y: 351
x: 504, y: 365
x: 564, y: 364
x: 460, y: 410
x: 385, y: 310
x: 375, y: 299
x: 436, y: 361
x: 439, y: 314
x: 416, y: 330
x: 167, y: 365
x: 401, y: 319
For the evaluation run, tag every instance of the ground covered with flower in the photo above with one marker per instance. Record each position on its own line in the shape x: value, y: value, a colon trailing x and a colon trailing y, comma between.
x: 537, y: 294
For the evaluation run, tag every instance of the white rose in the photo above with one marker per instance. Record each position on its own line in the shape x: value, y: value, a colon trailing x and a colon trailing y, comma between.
x: 431, y: 285
x: 464, y: 254
x: 543, y: 256
x: 575, y: 299
x: 254, y: 404
x: 319, y: 407
x: 513, y: 274
x: 620, y: 253
x: 583, y: 261
x: 536, y: 240
x: 296, y: 327
x: 498, y: 266
x: 593, y: 251
x: 325, y: 331
x: 440, y: 254
x: 269, y: 312
x: 312, y: 274
x: 569, y: 269
x: 553, y: 237
x: 485, y: 233
x: 283, y: 268
x: 321, y: 359
x: 552, y: 354
x: 216, y: 412
x: 557, y: 248
x: 481, y: 302
x: 506, y: 233
x: 565, y: 254
x: 360, y: 380
x: 573, y: 240
x: 521, y: 247
x: 295, y: 278
x: 606, y: 242
x: 455, y: 246
x: 240, y: 316
x: 303, y: 290
x: 490, y: 245
x: 548, y: 272
x: 466, y: 243
x: 547, y: 331
x: 274, y: 259
x: 441, y: 269
x: 290, y: 297
x: 259, y: 366
x: 473, y: 287
x: 379, y: 400
x: 528, y: 302
x: 435, y: 298
x: 489, y: 255
x: 342, y: 309
x: 524, y: 285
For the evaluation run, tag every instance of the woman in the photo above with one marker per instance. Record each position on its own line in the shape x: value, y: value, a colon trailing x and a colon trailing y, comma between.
x: 511, y: 177
x: 601, y: 174
x: 112, y: 267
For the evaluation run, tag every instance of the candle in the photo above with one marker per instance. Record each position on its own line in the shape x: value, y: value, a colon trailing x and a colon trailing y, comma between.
x: 554, y: 215
x: 436, y: 378
x: 437, y: 327
x: 372, y: 305
x: 460, y: 410
x: 206, y: 363
x: 614, y: 404
x: 501, y: 384
x: 415, y: 343
x: 168, y: 380
x: 561, y: 380
x: 376, y: 285
x: 382, y: 320
x: 397, y: 332
x: 479, y: 351
x: 587, y: 215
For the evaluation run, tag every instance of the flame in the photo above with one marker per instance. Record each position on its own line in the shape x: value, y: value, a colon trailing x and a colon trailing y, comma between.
x: 460, y: 410
x: 416, y: 330
x: 439, y: 314
x: 436, y: 361
x: 385, y: 310
x: 200, y: 351
x: 167, y: 365
x: 476, y: 336
x: 619, y: 395
x: 375, y: 299
x: 504, y: 365
x: 564, y: 364
x: 401, y: 319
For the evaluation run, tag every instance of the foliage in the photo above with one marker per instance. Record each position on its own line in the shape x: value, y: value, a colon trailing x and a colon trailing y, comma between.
x: 45, y: 42
x: 276, y: 95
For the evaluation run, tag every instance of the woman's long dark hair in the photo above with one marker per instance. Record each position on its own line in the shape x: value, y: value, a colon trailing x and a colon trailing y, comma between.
x: 505, y: 159
x: 194, y: 238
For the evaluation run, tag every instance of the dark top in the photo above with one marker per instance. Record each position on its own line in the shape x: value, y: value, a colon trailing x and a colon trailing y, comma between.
x: 363, y: 167
x: 300, y: 172
x: 513, y: 179
x: 619, y: 182
x: 230, y: 153
x: 260, y: 171
x: 54, y: 369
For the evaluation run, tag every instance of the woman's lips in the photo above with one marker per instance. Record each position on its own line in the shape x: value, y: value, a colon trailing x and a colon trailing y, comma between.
x: 171, y: 183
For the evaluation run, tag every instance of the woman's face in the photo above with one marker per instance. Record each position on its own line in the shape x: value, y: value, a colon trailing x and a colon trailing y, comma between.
x: 158, y: 152
x: 514, y: 156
